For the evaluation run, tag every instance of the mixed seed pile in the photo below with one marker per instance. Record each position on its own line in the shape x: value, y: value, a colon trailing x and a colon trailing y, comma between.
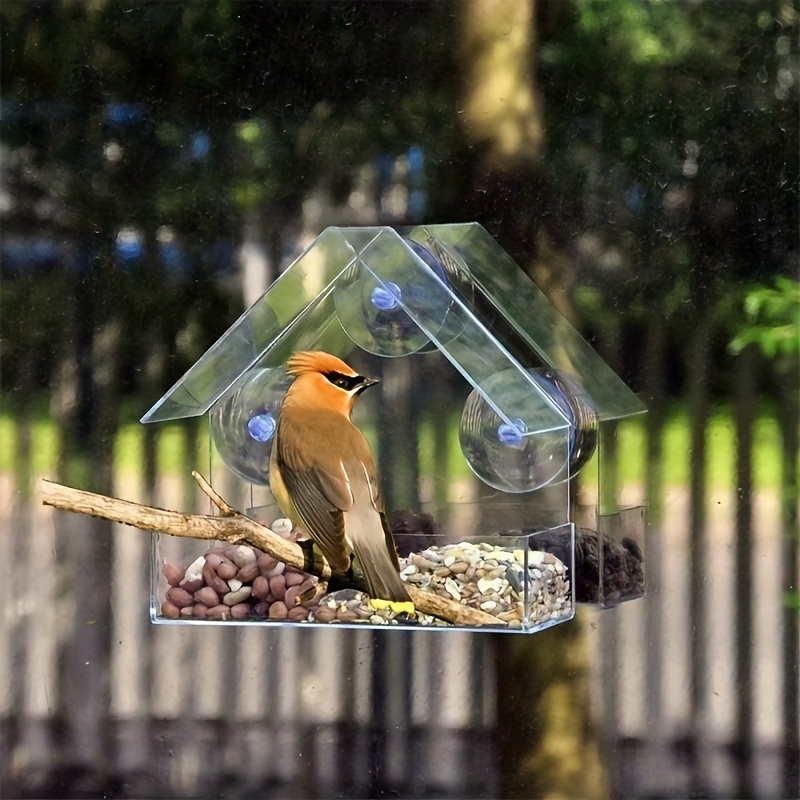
x: 238, y: 582
x: 491, y: 578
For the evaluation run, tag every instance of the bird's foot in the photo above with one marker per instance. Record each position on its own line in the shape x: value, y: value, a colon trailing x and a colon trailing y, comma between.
x: 401, y: 607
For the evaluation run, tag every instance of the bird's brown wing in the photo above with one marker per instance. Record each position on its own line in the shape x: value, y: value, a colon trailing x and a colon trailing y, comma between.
x: 321, y: 518
x: 362, y: 453
x: 320, y: 492
x: 391, y: 546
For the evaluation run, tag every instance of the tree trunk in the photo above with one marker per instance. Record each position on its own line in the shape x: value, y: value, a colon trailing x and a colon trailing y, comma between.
x: 545, y: 737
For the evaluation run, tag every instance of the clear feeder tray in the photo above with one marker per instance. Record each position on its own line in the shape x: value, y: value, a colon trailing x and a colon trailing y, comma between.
x: 523, y: 582
x: 490, y: 404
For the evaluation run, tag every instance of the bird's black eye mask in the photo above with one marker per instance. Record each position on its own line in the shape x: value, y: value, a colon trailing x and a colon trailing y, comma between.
x: 346, y: 382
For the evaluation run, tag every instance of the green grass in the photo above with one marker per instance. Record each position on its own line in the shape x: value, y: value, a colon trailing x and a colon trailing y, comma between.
x: 44, y: 444
x: 172, y: 457
x: 720, y: 450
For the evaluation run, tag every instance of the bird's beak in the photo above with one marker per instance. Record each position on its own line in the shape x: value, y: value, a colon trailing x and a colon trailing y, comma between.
x: 366, y: 383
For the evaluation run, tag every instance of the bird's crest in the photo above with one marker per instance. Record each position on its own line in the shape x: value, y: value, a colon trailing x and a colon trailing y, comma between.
x: 316, y: 361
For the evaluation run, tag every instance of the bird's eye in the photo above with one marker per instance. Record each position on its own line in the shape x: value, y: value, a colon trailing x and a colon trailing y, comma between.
x: 345, y: 382
x: 337, y: 379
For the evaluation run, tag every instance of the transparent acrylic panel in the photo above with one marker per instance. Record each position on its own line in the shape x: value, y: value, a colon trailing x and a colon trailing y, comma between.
x: 294, y: 295
x: 384, y: 261
x: 610, y: 526
x: 414, y: 314
x: 519, y: 302
x: 462, y: 336
x: 517, y: 547
x: 523, y: 580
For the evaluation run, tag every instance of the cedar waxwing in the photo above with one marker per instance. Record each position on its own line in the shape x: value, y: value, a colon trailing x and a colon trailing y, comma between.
x: 323, y: 475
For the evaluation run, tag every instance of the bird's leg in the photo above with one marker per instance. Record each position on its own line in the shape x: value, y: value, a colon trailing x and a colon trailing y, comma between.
x: 349, y: 579
x: 345, y: 580
x: 307, y: 546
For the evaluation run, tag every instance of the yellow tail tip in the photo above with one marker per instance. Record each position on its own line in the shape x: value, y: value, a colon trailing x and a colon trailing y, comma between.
x: 402, y: 607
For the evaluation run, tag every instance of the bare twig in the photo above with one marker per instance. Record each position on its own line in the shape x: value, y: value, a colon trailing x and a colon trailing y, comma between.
x: 208, y: 490
x: 232, y: 526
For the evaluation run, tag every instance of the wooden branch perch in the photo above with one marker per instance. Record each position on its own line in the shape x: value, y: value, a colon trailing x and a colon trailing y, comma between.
x: 232, y: 526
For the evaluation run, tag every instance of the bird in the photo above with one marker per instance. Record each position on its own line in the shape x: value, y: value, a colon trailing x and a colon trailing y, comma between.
x: 323, y: 475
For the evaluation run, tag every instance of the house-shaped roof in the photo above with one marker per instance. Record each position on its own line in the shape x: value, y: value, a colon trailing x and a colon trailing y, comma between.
x: 451, y: 287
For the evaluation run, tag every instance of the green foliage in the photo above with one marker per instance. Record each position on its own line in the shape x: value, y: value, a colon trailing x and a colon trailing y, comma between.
x: 639, y: 33
x: 771, y: 319
x: 672, y: 149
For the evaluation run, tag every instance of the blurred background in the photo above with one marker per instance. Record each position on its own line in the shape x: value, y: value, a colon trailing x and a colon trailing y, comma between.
x: 162, y: 162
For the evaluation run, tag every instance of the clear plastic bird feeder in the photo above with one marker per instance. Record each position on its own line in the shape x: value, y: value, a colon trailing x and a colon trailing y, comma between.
x: 490, y: 405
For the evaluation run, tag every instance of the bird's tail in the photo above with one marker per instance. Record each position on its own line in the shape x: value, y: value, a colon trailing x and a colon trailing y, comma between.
x: 373, y: 554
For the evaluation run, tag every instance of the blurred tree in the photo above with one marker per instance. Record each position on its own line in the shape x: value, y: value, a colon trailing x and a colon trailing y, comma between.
x: 633, y: 187
x: 671, y: 189
x: 546, y: 743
